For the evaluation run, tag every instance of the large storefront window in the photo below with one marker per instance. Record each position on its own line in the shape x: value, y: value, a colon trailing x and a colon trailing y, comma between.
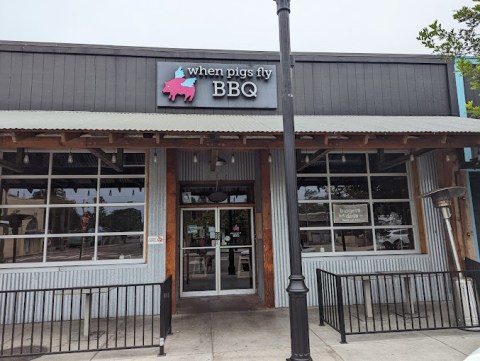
x: 71, y: 207
x: 348, y: 203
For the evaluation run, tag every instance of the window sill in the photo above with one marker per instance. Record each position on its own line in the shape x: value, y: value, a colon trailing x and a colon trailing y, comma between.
x: 363, y: 255
x: 62, y: 267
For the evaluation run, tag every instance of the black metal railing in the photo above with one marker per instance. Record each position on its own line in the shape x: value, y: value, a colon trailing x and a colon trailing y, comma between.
x: 79, y: 319
x: 399, y: 301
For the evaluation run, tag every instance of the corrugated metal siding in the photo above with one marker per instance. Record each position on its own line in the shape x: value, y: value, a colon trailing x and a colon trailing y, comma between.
x: 434, y: 260
x: 242, y: 169
x: 84, y: 276
x: 230, y: 124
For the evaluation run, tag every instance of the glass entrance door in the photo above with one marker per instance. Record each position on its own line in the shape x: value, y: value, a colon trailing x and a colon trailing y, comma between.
x: 217, y: 253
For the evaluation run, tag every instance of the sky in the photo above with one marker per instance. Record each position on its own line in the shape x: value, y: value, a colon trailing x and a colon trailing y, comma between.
x: 346, y: 26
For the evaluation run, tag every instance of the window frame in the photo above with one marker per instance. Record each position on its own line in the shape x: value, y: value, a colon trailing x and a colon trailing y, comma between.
x: 370, y: 201
x: 96, y: 205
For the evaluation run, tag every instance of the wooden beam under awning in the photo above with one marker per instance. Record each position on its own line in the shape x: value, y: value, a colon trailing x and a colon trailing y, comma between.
x: 202, y: 142
x: 68, y: 137
x: 100, y: 154
x: 313, y: 158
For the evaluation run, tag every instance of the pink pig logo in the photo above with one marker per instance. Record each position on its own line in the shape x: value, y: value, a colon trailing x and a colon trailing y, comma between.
x: 180, y: 85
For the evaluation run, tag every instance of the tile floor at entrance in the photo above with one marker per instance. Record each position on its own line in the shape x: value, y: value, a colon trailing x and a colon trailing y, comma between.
x: 219, y: 304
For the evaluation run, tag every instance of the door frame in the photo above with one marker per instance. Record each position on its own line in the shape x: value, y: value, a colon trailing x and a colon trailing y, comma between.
x: 218, y: 291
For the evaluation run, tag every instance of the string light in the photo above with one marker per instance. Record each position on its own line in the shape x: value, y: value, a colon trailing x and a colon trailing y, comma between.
x: 26, y: 157
x: 195, y: 158
x: 114, y: 158
x: 412, y: 157
x: 233, y: 158
x: 155, y: 157
x: 344, y: 158
x: 269, y: 157
x: 307, y: 158
x: 70, y: 158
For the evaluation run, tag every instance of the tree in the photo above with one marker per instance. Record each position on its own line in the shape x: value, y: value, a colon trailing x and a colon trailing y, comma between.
x: 462, y: 44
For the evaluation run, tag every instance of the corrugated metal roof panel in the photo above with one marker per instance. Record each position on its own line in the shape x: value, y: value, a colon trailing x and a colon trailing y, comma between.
x: 195, y: 123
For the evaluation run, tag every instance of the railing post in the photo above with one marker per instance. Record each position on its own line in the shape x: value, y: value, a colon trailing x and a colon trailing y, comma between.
x: 162, y: 319
x: 321, y: 309
x: 341, y: 316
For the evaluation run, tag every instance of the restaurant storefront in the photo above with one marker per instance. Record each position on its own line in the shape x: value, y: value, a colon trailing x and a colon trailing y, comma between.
x: 124, y: 165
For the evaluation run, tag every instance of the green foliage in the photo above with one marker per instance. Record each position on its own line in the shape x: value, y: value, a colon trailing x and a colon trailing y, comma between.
x: 463, y: 44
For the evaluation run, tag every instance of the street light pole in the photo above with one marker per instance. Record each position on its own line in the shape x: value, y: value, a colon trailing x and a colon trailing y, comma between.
x: 297, y: 290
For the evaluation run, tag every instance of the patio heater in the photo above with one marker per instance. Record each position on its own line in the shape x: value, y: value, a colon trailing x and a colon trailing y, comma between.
x: 463, y: 292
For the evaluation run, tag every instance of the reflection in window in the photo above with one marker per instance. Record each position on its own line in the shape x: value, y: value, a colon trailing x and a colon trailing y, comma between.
x: 71, y: 220
x: 358, y: 202
x: 389, y: 187
x: 313, y: 215
x: 122, y: 190
x: 73, y: 191
x: 26, y: 221
x: 120, y: 247
x: 312, y: 188
x: 349, y: 187
x: 120, y: 219
x: 316, y: 241
x: 48, y: 211
x: 395, y: 239
x: 353, y: 240
x: 392, y: 214
x: 21, y: 250
x: 23, y: 191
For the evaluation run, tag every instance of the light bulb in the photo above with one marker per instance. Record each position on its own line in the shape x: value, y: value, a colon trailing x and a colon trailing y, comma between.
x: 447, y: 158
x: 307, y: 158
x: 344, y: 158
x: 195, y: 158
x: 70, y: 158
x: 269, y: 158
x: 155, y: 157
x: 412, y: 157
x: 26, y: 158
x: 233, y: 158
x: 114, y: 158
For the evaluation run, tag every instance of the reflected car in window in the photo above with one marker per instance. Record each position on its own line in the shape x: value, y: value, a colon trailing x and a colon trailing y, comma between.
x: 395, y: 239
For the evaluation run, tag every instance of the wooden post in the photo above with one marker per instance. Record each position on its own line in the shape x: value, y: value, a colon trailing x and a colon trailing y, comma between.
x: 419, y: 208
x: 267, y: 235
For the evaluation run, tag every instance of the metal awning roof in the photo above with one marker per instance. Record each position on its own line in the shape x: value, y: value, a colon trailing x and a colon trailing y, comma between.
x: 195, y: 123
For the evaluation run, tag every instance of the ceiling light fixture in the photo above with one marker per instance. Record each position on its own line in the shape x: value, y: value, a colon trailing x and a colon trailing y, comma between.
x: 220, y: 162
x: 26, y: 157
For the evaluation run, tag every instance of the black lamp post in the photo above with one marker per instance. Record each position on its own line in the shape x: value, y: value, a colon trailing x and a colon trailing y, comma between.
x: 297, y: 291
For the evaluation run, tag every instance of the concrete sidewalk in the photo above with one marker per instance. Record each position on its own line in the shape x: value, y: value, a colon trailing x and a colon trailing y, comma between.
x: 264, y: 335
